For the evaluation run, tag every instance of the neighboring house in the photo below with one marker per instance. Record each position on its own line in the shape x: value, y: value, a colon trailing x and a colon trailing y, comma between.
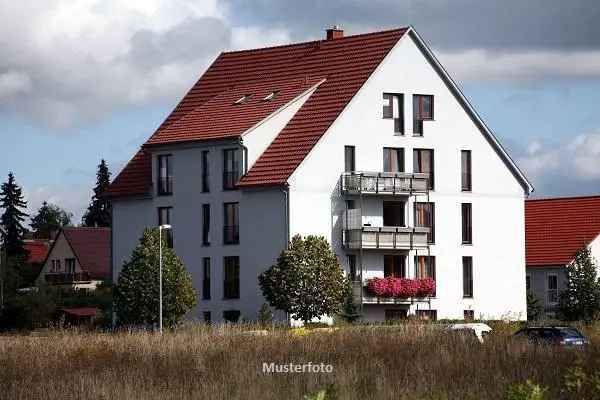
x: 362, y: 139
x: 78, y: 259
x: 556, y: 229
x: 37, y: 251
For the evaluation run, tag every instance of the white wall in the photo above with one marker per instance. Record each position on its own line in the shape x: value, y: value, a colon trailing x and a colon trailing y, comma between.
x: 497, y: 197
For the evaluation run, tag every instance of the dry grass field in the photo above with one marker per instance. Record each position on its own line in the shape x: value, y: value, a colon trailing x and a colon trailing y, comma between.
x: 225, y: 362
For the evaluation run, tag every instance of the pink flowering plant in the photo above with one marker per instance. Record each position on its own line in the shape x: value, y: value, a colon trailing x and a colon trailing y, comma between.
x: 401, y: 288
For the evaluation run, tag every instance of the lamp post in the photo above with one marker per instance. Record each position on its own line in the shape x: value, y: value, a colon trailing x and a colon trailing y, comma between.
x: 160, y: 278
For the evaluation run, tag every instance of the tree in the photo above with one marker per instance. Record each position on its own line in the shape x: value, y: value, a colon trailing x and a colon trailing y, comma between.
x: 307, y: 281
x: 11, y: 221
x: 50, y: 218
x: 581, y: 298
x: 534, y: 307
x: 137, y: 289
x: 349, y: 312
x: 98, y: 212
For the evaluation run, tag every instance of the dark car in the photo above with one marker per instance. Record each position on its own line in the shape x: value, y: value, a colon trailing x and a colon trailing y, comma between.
x: 553, y: 335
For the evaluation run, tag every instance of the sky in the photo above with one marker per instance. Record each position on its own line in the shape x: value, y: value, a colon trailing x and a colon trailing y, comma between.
x: 83, y: 80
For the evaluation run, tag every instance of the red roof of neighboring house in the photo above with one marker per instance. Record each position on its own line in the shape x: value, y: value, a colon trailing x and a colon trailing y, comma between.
x: 345, y: 63
x: 555, y: 229
x: 91, y: 246
x: 37, y: 250
x: 81, y: 311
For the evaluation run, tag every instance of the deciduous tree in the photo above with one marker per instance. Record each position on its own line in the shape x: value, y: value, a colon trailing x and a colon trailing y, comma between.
x: 581, y: 298
x: 49, y: 218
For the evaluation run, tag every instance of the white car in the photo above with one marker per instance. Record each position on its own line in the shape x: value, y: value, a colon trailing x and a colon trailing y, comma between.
x: 477, y: 328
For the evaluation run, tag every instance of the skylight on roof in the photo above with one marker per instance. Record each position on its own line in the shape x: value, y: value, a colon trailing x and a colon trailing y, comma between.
x: 271, y: 95
x: 243, y: 99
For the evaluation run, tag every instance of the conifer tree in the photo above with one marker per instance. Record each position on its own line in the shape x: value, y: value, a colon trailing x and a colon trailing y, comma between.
x: 13, y: 204
x: 98, y: 212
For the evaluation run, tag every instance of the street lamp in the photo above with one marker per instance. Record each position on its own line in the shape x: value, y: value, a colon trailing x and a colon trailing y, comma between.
x: 160, y: 279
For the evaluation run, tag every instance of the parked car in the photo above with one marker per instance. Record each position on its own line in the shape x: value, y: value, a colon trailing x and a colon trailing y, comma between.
x: 553, y: 335
x: 476, y: 329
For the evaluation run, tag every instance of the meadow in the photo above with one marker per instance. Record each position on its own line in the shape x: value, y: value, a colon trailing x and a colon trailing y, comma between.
x: 406, y: 361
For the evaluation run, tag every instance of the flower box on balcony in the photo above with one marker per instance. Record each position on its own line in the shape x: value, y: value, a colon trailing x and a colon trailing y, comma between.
x: 400, y: 288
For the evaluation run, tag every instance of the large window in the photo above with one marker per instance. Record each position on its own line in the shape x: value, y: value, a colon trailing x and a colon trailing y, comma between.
x: 164, y: 218
x: 425, y: 218
x: 205, y: 172
x: 206, y: 224
x: 394, y: 266
x: 231, y: 281
x: 425, y: 267
x: 552, y: 288
x: 393, y: 159
x: 393, y: 213
x: 70, y: 265
x: 165, y: 175
x: 422, y: 111
x: 206, y: 278
x: 393, y: 108
x: 467, y: 264
x: 232, y: 168
x: 231, y: 229
x: 465, y: 168
x: 349, y: 159
x: 467, y: 223
x: 423, y: 163
x: 352, y: 267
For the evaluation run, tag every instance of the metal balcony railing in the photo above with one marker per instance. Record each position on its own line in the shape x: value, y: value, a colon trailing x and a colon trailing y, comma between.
x: 391, y: 183
x: 67, y: 278
x: 386, y: 238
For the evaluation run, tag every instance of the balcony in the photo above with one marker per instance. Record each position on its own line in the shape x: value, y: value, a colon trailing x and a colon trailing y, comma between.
x: 67, y: 278
x: 385, y: 238
x: 384, y: 183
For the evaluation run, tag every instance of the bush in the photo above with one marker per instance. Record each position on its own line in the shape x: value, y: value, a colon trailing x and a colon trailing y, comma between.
x: 525, y: 391
x: 33, y: 310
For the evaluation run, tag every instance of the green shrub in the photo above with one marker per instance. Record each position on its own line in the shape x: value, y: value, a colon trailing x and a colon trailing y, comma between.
x: 525, y: 391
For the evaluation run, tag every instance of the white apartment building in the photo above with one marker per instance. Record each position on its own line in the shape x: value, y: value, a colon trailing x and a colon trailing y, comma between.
x: 362, y: 139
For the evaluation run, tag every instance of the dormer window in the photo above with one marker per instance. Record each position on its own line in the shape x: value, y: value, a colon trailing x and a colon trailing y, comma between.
x: 243, y: 99
x: 271, y: 95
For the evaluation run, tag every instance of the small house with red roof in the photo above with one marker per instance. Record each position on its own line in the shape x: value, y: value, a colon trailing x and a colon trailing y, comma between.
x: 79, y: 259
x: 37, y: 251
x: 363, y: 139
x: 556, y: 229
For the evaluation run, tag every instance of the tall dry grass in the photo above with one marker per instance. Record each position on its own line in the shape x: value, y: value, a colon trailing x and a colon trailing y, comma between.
x: 398, y: 362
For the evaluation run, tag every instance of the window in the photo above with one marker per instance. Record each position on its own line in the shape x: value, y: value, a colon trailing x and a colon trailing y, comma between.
x: 352, y: 267
x: 231, y: 315
x: 467, y: 263
x: 206, y: 278
x: 231, y: 281
x: 271, y: 95
x: 393, y: 159
x: 164, y: 218
x: 465, y: 167
x: 55, y: 266
x: 467, y: 223
x: 528, y: 282
x: 396, y: 314
x: 243, y: 99
x: 552, y: 288
x: 231, y: 168
x: 425, y: 267
x: 425, y: 218
x: 469, y: 315
x: 422, y: 111
x: 394, y: 266
x: 423, y: 163
x: 393, y: 213
x: 205, y: 172
x: 231, y: 231
x: 70, y: 265
x: 349, y: 159
x: 393, y: 108
x: 165, y: 175
x: 206, y: 224
x: 427, y: 315
x: 207, y: 317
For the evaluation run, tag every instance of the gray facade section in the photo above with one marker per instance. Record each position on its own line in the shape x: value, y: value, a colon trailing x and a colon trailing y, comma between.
x: 539, y: 285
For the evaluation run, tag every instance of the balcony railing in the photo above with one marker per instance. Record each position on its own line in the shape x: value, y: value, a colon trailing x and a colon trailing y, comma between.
x: 66, y: 278
x: 391, y: 183
x: 386, y: 238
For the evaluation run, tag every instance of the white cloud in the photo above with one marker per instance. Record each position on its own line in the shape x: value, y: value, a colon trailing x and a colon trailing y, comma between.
x: 72, y: 198
x: 13, y: 83
x: 477, y: 64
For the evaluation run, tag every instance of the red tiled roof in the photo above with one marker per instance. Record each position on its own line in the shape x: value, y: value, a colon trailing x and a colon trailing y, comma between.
x: 92, y: 249
x: 346, y: 64
x: 37, y: 250
x: 555, y: 229
x: 135, y: 178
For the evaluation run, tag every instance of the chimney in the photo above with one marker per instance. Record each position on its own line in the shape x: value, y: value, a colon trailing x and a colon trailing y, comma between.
x: 335, y: 32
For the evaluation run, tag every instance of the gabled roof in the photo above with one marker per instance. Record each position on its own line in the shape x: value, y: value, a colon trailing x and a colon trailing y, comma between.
x: 345, y: 64
x: 556, y: 228
x: 91, y: 246
x: 37, y: 250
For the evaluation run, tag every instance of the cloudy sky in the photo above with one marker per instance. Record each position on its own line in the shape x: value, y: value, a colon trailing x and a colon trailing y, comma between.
x: 82, y: 80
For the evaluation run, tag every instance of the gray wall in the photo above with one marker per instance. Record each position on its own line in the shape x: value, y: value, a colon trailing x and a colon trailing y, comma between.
x: 539, y: 277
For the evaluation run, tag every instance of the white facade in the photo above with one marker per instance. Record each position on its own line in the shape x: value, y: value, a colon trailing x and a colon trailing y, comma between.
x: 313, y: 203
